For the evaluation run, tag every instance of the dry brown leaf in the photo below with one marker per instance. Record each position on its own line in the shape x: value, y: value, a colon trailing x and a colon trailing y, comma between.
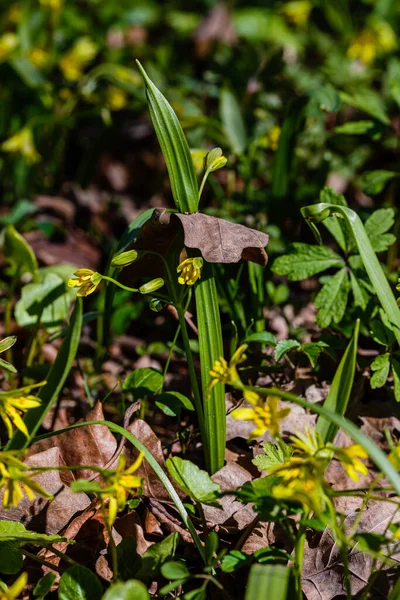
x: 322, y: 567
x: 92, y: 445
x: 42, y: 515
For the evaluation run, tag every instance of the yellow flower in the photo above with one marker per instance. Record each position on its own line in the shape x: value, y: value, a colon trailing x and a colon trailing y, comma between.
x: 222, y: 372
x: 76, y: 60
x: 15, y: 477
x: 273, y: 137
x: 120, y: 484
x: 14, y: 14
x: 8, y: 43
x: 116, y: 98
x: 190, y: 270
x: 394, y: 456
x: 39, y: 57
x: 55, y: 5
x: 22, y: 143
x: 14, y: 590
x: 297, y: 11
x: 266, y: 415
x: 377, y: 38
x: 13, y: 404
x: 350, y: 460
x: 86, y: 280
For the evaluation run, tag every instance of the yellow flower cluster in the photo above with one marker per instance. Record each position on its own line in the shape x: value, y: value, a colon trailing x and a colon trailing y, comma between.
x: 16, y: 478
x: 120, y: 484
x: 86, y: 280
x: 190, y: 270
x: 76, y: 60
x: 22, y: 143
x: 15, y: 403
x: 378, y: 38
x: 265, y: 415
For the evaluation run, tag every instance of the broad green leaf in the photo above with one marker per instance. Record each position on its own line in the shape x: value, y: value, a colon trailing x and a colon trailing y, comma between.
x: 172, y: 403
x: 381, y: 367
x: 355, y: 127
x: 156, y: 555
x: 332, y: 299
x: 174, y: 569
x: 232, y: 120
x: 339, y: 392
x: 376, y: 227
x: 197, y: 484
x: 11, y: 558
x: 143, y: 381
x: 269, y: 581
x: 129, y: 561
x: 79, y: 583
x: 13, y: 531
x: 234, y: 560
x: 373, y: 182
x: 43, y: 586
x: 292, y: 125
x: 284, y: 346
x: 55, y: 380
x: 18, y: 252
x: 129, y: 590
x: 174, y: 148
x: 264, y: 337
x: 273, y: 456
x: 305, y: 261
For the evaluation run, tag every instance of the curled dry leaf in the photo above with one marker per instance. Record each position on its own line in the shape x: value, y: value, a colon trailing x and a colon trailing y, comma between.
x: 218, y: 240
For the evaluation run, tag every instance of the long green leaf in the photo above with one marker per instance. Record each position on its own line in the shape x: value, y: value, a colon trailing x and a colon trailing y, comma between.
x: 153, y: 464
x: 232, y: 120
x: 211, y: 349
x: 374, y: 452
x: 269, y: 582
x: 55, y: 381
x: 339, y: 393
x: 174, y: 148
x: 319, y: 212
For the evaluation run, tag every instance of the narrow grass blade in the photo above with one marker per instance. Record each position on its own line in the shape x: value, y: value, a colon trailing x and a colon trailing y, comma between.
x: 292, y: 125
x: 174, y: 148
x: 319, y: 212
x: 374, y: 452
x: 55, y: 381
x: 339, y: 393
x: 153, y: 464
x: 211, y: 349
x: 269, y: 581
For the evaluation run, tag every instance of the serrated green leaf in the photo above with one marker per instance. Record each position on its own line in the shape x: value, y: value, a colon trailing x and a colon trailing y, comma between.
x: 273, y: 456
x: 232, y: 121
x: 284, y: 346
x: 360, y: 294
x: 174, y: 147
x: 380, y: 366
x: 373, y: 182
x: 305, y: 261
x: 332, y: 299
x: 376, y: 226
x: 313, y: 350
x: 195, y: 482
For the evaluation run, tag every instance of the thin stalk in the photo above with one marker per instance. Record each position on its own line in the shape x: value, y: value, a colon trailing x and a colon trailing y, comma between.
x: 8, y: 312
x: 40, y: 560
x: 298, y: 560
x: 121, y: 285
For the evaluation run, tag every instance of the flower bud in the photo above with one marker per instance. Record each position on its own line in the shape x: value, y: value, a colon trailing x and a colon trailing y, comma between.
x: 151, y: 286
x: 156, y: 305
x: 124, y: 259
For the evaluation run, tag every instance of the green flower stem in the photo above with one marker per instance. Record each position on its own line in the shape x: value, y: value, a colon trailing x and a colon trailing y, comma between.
x: 211, y: 349
x: 121, y: 285
x: 298, y: 559
x: 153, y: 464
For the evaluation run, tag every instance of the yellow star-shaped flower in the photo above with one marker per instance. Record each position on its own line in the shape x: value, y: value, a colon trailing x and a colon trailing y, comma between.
x: 266, y: 415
